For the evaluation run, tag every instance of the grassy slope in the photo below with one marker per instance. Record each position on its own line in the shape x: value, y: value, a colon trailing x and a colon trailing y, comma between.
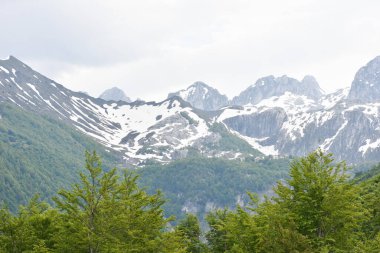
x: 39, y: 155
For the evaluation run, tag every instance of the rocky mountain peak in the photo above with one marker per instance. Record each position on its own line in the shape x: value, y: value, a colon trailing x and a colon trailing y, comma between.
x: 270, y: 86
x: 366, y: 84
x: 11, y: 64
x: 114, y: 94
x: 202, y: 96
x: 310, y: 81
x: 200, y: 84
x: 310, y: 87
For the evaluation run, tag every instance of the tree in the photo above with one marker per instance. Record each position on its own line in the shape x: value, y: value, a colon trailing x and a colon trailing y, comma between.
x: 316, y: 210
x: 106, y: 213
x: 190, y: 230
x: 232, y: 231
x: 28, y: 231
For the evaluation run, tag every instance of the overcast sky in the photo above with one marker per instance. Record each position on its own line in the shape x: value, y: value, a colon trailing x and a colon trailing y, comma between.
x: 152, y: 47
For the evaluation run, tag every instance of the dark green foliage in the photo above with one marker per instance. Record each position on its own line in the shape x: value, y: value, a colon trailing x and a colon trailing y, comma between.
x: 370, y: 174
x: 371, y: 200
x: 197, y: 181
x: 316, y: 210
x: 107, y: 213
x: 231, y: 231
x: 189, y: 228
x: 318, y: 205
x: 31, y: 230
x: 101, y: 213
x: 39, y: 155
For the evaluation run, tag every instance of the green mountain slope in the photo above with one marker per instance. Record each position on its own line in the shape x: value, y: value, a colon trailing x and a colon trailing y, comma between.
x: 40, y: 155
x: 200, y: 184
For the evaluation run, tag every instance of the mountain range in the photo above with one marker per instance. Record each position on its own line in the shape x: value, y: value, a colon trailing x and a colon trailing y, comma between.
x: 277, y: 116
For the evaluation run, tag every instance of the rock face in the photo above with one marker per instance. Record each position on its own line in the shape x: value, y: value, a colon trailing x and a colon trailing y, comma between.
x: 115, y: 94
x: 270, y: 86
x: 277, y: 116
x: 202, y: 96
x: 366, y: 84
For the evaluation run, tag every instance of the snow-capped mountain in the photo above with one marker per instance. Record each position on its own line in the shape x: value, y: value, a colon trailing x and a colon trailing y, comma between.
x: 295, y: 123
x: 159, y: 131
x: 202, y: 96
x: 115, y: 94
x: 277, y: 116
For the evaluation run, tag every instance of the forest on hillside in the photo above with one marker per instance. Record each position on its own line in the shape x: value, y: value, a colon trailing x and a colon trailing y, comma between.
x: 319, y: 208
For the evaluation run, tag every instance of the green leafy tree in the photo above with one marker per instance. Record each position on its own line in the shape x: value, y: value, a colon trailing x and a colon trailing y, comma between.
x: 105, y: 213
x: 31, y: 229
x: 232, y: 231
x: 217, y: 235
x: 370, y: 186
x: 190, y: 230
x: 316, y: 210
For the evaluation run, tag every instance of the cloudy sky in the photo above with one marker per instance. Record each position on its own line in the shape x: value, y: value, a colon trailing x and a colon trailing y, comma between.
x: 152, y: 47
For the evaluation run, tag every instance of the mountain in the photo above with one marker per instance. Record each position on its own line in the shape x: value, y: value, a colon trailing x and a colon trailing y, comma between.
x: 345, y: 123
x: 271, y: 86
x: 277, y: 116
x: 45, y: 128
x: 114, y: 94
x: 202, y: 96
x: 366, y: 84
x: 142, y: 131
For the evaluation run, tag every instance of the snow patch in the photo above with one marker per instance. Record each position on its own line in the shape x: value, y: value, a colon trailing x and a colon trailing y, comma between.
x: 4, y: 69
x: 369, y: 146
x: 34, y: 89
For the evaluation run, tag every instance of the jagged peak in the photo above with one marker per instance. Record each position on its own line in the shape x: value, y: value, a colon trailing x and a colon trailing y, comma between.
x: 198, y: 85
x: 262, y: 81
x: 13, y: 62
x: 115, y: 88
x: 311, y: 82
x: 270, y: 86
x: 309, y: 78
x: 366, y: 83
x: 12, y: 59
x: 202, y: 96
x: 114, y: 94
x: 271, y: 79
x: 201, y: 85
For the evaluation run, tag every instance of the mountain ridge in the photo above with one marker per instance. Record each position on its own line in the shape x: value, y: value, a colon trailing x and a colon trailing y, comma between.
x: 283, y: 117
x: 142, y: 130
